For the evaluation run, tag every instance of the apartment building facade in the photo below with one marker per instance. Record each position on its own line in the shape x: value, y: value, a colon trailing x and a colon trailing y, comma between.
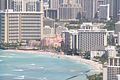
x: 20, y: 26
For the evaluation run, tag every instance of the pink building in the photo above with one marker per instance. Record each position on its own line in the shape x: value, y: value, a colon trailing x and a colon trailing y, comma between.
x: 52, y: 41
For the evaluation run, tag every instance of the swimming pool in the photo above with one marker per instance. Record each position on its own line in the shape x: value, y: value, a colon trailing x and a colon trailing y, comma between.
x: 22, y: 66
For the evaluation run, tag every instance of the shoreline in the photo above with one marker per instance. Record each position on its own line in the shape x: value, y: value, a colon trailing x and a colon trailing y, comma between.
x: 96, y: 67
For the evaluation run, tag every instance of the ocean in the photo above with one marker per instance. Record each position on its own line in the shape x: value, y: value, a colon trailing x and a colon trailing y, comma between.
x: 24, y: 66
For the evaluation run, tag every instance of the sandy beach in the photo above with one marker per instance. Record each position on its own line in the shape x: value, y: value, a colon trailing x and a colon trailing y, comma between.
x: 97, y: 67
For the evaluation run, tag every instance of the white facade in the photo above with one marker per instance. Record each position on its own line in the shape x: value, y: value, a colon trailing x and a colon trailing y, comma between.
x: 48, y: 31
x: 86, y: 25
x: 60, y: 29
x: 112, y: 69
x: 118, y: 38
x: 96, y: 54
x: 118, y: 77
x: 111, y: 51
x: 69, y: 1
x: 104, y: 73
x: 90, y: 25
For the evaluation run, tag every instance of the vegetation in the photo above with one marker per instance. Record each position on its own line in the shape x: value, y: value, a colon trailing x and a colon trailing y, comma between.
x: 95, y: 77
x: 87, y: 55
x: 73, y: 25
x: 110, y: 25
x: 101, y: 59
x: 12, y: 45
x: 110, y: 40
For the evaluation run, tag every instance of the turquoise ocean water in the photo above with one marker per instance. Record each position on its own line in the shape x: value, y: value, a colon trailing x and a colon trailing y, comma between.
x: 21, y: 66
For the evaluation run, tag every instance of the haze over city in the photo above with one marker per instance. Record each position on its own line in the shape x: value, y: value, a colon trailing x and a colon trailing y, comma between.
x: 60, y: 39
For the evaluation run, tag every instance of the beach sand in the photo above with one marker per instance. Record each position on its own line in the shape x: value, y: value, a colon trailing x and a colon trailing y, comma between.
x: 97, y: 67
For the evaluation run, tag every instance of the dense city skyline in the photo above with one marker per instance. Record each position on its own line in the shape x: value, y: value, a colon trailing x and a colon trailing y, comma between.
x: 88, y: 29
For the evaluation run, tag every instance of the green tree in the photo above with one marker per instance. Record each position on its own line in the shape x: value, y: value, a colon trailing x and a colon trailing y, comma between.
x: 103, y: 58
x: 95, y: 77
x: 80, y: 51
x: 110, y: 25
x: 6, y: 45
x: 87, y: 55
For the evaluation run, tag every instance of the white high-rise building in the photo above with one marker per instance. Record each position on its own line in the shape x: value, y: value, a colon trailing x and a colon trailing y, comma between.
x: 112, y: 69
x: 92, y: 39
x: 86, y: 39
x: 104, y: 12
x: 111, y: 51
x: 20, y: 24
x: 70, y: 39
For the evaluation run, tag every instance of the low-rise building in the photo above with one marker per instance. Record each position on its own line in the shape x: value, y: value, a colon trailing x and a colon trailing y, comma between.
x: 53, y: 41
x: 111, y: 51
x: 60, y: 29
x: 48, y: 31
x: 94, y: 54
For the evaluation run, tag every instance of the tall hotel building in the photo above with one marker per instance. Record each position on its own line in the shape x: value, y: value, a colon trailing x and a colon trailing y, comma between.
x: 19, y: 24
x: 51, y: 12
x: 54, y: 4
x: 3, y: 4
x: 92, y: 39
x: 70, y: 39
x: 87, y: 39
x: 69, y: 11
x: 104, y: 12
x: 112, y: 70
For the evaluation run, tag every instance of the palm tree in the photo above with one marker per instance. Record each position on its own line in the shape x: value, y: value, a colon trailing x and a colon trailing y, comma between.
x: 80, y: 51
x: 95, y: 77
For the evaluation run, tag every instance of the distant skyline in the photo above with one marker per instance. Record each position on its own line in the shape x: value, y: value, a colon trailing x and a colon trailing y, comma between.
x: 89, y: 8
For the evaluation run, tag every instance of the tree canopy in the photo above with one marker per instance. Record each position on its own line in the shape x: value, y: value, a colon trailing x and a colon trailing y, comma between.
x: 110, y: 25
